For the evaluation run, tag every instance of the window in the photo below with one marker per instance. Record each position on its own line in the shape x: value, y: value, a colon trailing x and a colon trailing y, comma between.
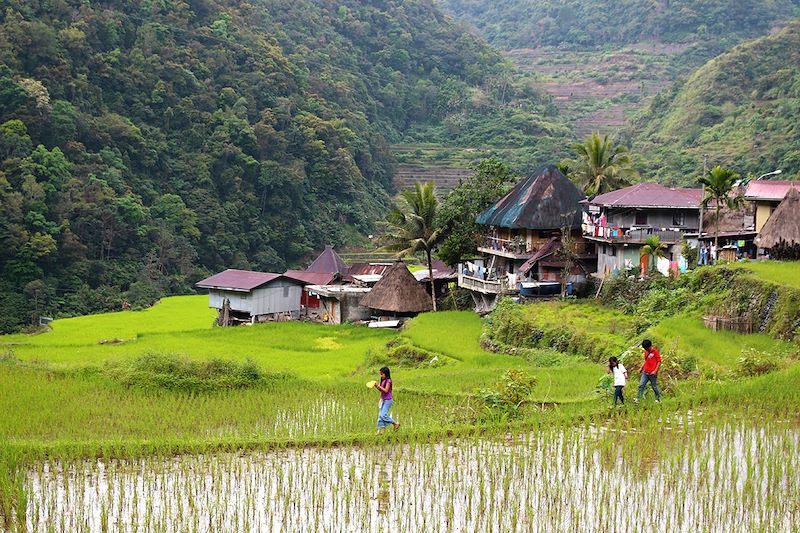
x: 641, y: 218
x: 613, y: 251
x: 286, y: 291
x: 679, y: 219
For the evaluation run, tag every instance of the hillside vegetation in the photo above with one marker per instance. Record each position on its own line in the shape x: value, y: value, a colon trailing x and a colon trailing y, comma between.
x: 603, y: 62
x: 143, y: 145
x: 527, y: 24
x: 740, y: 108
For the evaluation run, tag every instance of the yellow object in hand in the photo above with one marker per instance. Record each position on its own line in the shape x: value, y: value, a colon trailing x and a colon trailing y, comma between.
x: 371, y: 384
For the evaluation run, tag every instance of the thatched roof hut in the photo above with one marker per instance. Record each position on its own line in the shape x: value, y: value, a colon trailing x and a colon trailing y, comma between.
x: 783, y: 226
x: 398, y: 292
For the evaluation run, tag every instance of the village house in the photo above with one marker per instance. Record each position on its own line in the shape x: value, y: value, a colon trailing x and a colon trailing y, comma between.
x: 765, y: 195
x: 327, y: 269
x: 734, y: 232
x: 443, y: 276
x: 247, y: 296
x: 621, y: 221
x: 780, y: 234
x: 523, y: 248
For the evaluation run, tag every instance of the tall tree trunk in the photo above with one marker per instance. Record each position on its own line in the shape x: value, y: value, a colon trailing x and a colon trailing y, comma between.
x: 716, y: 232
x: 430, y: 277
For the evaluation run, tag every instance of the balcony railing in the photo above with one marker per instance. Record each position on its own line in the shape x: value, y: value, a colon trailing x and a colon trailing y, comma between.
x: 635, y: 235
x: 508, y: 246
x: 486, y: 286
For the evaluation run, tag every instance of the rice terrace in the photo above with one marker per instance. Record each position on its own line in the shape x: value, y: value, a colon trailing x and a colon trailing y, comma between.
x: 156, y: 421
x: 399, y: 266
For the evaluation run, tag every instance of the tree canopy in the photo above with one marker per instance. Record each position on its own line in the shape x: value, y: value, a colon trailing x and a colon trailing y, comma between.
x: 145, y: 144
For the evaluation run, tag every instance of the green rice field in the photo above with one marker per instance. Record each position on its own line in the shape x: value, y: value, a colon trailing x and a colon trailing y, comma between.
x: 272, y: 428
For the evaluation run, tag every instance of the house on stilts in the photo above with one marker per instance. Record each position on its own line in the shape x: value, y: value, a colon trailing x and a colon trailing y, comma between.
x: 242, y: 296
x: 523, y: 246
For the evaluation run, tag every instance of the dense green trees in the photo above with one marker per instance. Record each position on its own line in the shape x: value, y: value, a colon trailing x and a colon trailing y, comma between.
x: 144, y: 144
x: 458, y: 211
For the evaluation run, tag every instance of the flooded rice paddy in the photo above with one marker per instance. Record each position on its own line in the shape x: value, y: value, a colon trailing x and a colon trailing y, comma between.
x: 726, y: 477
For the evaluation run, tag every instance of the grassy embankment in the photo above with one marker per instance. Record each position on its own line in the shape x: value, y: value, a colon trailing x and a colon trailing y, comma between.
x: 60, y: 391
x: 63, y: 390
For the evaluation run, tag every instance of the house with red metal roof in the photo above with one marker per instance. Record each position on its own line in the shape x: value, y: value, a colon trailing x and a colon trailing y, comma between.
x: 247, y: 296
x: 621, y: 221
x: 766, y: 195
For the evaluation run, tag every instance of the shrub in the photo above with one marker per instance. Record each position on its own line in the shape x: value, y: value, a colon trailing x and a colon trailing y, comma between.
x: 401, y: 352
x: 754, y: 363
x: 504, y: 400
x: 152, y: 371
x: 582, y: 329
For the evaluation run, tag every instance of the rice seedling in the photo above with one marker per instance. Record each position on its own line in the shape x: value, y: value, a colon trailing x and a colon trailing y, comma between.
x: 178, y: 426
x: 706, y: 475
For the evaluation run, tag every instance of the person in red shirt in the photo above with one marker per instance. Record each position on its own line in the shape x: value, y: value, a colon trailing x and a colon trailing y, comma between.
x: 649, y: 370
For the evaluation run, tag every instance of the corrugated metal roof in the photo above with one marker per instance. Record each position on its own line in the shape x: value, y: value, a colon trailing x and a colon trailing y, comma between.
x: 552, y: 246
x: 650, y: 195
x: 366, y: 269
x: 539, y: 201
x: 422, y: 275
x: 767, y: 190
x: 328, y: 262
x: 312, y: 278
x: 237, y: 280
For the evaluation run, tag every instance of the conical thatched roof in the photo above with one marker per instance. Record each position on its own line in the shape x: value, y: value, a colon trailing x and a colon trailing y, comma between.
x: 541, y: 201
x: 398, y: 292
x: 784, y: 224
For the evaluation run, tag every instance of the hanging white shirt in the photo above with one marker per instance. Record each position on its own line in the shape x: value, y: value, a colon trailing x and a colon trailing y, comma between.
x: 619, y: 375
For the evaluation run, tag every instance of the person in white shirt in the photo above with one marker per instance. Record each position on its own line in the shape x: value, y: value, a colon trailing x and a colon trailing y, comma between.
x: 616, y: 368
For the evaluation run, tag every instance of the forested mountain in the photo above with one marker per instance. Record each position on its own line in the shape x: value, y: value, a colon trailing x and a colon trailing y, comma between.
x: 740, y: 108
x: 530, y: 23
x: 144, y: 143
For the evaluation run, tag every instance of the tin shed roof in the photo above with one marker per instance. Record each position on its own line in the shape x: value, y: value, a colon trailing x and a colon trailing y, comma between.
x: 650, y: 194
x: 328, y: 262
x: 540, y: 201
x: 774, y: 191
x: 237, y: 280
x: 311, y: 278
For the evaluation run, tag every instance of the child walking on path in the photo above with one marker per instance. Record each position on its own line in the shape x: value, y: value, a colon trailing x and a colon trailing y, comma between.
x: 616, y: 368
x: 385, y: 405
x: 649, y: 370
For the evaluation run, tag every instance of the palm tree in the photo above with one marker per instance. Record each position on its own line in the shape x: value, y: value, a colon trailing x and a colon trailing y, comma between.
x: 602, y: 166
x: 718, y: 184
x: 653, y: 247
x: 412, y: 227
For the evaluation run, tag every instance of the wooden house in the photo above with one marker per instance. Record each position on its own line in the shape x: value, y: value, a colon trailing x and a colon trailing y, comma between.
x: 443, y: 276
x: 521, y: 225
x: 766, y: 195
x: 327, y: 269
x: 248, y: 296
x: 339, y: 304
